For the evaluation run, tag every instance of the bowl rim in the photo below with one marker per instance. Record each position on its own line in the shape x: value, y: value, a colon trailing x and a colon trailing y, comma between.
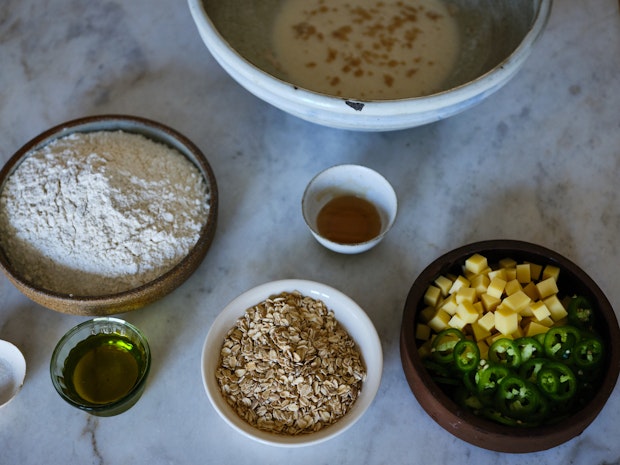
x: 485, y: 433
x: 16, y: 375
x: 107, y: 304
x: 355, y: 321
x: 371, y: 113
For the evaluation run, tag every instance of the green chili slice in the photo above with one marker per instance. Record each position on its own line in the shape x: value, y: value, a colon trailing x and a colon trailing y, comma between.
x: 505, y: 351
x: 580, y: 313
x: 466, y: 355
x: 516, y: 397
x: 560, y: 342
x: 529, y: 348
x: 588, y: 353
x: 443, y: 345
x: 557, y: 381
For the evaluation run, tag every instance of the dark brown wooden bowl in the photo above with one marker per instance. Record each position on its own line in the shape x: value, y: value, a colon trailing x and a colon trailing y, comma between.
x: 140, y: 296
x: 477, y: 430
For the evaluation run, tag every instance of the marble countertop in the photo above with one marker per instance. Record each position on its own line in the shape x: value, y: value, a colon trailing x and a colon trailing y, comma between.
x: 537, y: 161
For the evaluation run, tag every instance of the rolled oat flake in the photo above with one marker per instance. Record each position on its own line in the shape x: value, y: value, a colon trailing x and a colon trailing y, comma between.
x: 101, y: 212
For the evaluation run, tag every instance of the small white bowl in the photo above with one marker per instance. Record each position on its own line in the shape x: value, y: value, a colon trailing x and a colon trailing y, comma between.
x: 348, y: 314
x: 352, y: 180
x: 496, y: 40
x: 12, y: 371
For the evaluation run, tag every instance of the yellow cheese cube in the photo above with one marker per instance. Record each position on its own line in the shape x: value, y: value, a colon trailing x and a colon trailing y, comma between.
x: 517, y: 301
x: 496, y: 287
x: 467, y: 312
x: 507, y: 262
x: 444, y: 284
x: 480, y: 333
x: 526, y: 312
x: 540, y: 310
x: 500, y: 273
x: 465, y: 294
x: 476, y: 263
x: 480, y: 283
x: 479, y: 308
x: 458, y: 283
x: 427, y: 314
x: 449, y: 304
x: 547, y: 287
x: 487, y: 321
x: 432, y: 295
x: 531, y: 290
x: 489, y: 302
x: 548, y: 322
x: 425, y: 350
x: 497, y: 336
x: 523, y: 273
x: 422, y: 332
x: 551, y: 271
x: 456, y: 322
x: 506, y: 320
x: 484, y: 349
x: 511, y: 273
x: 556, y: 308
x: 512, y: 286
x: 439, y: 321
x: 533, y: 328
x: 535, y: 270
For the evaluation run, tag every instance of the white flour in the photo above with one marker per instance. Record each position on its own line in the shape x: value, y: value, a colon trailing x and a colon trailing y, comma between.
x: 101, y: 212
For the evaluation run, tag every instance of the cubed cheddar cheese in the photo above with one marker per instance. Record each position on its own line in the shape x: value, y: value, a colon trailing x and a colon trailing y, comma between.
x: 487, y: 321
x: 489, y: 302
x: 523, y: 273
x: 449, y: 304
x: 444, y: 284
x: 535, y: 270
x: 540, y: 310
x: 432, y: 295
x: 533, y: 328
x: 480, y: 333
x: 499, y: 273
x: 440, y: 320
x: 517, y: 301
x: 467, y: 312
x: 484, y: 349
x: 466, y: 294
x: 511, y: 273
x: 476, y: 264
x: 427, y: 314
x: 512, y: 286
x: 551, y: 271
x: 556, y: 308
x: 480, y: 283
x: 496, y: 287
x: 422, y: 332
x: 531, y: 290
x: 506, y: 320
x: 507, y: 262
x: 547, y: 287
x: 456, y: 322
x: 458, y: 283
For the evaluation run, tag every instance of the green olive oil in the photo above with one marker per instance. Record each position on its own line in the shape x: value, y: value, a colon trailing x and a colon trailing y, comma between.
x: 103, y: 368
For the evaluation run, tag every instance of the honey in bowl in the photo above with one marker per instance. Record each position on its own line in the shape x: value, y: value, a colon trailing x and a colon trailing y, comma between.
x: 349, y: 219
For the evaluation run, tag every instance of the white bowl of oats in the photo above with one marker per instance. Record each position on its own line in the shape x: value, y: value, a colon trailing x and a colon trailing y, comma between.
x: 292, y: 363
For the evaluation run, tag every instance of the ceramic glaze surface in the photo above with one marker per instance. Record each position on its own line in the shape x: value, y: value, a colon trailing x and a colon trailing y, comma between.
x: 537, y: 162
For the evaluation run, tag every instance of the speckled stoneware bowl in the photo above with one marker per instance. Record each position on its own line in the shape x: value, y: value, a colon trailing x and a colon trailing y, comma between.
x: 348, y: 314
x: 477, y: 430
x: 118, y: 302
x: 495, y: 40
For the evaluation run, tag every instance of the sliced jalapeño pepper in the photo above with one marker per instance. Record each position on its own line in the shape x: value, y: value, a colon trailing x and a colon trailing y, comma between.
x: 505, y: 351
x: 560, y: 342
x: 466, y: 355
x: 557, y: 381
x: 529, y: 348
x: 444, y: 343
x: 530, y: 369
x: 580, y: 313
x: 588, y: 353
x: 517, y: 398
x: 488, y: 379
